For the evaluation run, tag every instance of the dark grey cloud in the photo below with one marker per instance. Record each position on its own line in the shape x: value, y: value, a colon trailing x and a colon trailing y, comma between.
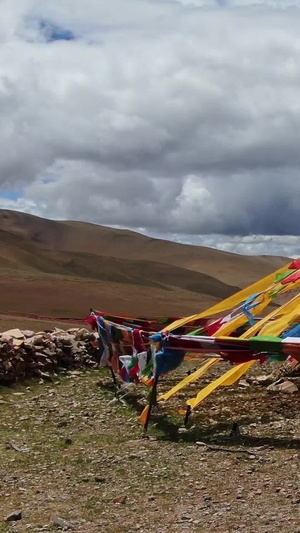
x: 178, y: 117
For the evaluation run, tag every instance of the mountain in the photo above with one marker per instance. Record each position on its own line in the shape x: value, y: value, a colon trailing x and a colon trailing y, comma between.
x: 62, y: 268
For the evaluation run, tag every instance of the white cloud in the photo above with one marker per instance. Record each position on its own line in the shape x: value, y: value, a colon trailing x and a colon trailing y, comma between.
x: 277, y: 245
x: 180, y: 117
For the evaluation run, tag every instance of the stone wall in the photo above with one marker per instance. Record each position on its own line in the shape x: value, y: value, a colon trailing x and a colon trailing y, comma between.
x: 25, y: 354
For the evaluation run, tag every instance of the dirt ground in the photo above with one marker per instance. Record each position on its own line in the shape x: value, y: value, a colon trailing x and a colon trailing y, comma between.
x: 68, y: 297
x: 70, y: 450
x: 26, y: 323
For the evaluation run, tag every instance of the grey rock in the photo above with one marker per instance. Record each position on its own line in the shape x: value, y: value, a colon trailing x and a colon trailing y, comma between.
x: 243, y: 383
x: 28, y: 333
x: 283, y: 386
x: 63, y: 524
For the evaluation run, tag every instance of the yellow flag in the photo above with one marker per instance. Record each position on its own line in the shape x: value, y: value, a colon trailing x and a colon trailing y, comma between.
x: 232, y: 301
x: 234, y: 374
x: 189, y: 379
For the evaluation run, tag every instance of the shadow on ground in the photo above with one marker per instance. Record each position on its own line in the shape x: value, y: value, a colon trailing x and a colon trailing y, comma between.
x: 170, y: 428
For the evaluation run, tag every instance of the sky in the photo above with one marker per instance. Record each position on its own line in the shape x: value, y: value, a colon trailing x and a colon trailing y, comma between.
x: 179, y: 119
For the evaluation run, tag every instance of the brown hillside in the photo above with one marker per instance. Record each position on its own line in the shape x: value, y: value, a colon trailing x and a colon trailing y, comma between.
x: 19, y: 254
x: 83, y: 237
x: 62, y: 268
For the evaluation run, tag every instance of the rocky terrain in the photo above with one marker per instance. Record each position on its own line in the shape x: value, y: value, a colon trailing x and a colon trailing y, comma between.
x: 73, y: 455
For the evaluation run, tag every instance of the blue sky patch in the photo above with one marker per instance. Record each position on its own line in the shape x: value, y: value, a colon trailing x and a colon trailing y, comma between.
x: 11, y: 194
x: 53, y: 32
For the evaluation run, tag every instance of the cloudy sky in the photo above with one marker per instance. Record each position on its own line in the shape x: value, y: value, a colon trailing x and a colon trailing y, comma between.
x: 176, y: 118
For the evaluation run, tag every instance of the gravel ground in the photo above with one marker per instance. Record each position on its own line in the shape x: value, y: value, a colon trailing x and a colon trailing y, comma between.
x: 69, y: 450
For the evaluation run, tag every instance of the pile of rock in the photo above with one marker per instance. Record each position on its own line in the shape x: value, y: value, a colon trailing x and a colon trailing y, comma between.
x: 25, y: 354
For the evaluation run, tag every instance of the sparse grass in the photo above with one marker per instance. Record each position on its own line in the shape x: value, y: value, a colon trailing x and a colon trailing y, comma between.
x: 85, y: 451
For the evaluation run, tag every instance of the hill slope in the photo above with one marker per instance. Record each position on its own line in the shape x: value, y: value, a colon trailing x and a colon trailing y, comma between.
x: 83, y: 237
x: 137, y: 274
